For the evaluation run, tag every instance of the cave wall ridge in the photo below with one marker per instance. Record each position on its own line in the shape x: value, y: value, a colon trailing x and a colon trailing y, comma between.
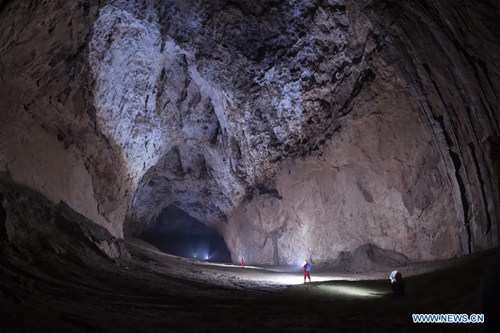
x: 294, y: 128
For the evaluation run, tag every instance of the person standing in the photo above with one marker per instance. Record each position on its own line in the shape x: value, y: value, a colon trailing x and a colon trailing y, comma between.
x: 397, y: 283
x: 242, y: 262
x: 307, y: 271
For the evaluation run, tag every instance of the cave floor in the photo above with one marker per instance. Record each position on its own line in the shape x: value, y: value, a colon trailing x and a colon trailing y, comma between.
x: 155, y: 292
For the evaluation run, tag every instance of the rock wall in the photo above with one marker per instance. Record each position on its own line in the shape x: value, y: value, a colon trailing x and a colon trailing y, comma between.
x: 396, y: 174
x: 381, y: 180
x: 464, y: 115
x: 50, y: 140
x: 294, y: 128
x: 33, y: 228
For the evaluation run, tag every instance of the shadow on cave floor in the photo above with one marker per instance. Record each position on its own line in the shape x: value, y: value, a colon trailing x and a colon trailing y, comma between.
x: 155, y: 292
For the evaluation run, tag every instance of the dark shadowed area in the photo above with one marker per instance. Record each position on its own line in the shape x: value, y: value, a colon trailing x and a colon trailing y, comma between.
x: 176, y: 232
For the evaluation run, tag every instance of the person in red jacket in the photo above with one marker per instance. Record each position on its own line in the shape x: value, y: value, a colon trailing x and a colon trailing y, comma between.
x: 307, y: 271
x: 242, y: 262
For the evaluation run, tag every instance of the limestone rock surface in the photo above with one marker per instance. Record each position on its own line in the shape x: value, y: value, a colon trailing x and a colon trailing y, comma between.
x: 294, y: 128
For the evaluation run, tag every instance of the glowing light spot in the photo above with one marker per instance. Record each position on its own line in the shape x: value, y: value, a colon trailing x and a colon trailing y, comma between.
x: 354, y: 291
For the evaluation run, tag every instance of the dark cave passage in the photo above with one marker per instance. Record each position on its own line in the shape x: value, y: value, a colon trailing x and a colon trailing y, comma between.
x: 176, y: 232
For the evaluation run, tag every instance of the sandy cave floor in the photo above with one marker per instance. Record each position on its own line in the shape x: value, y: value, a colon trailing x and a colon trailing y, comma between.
x: 156, y: 292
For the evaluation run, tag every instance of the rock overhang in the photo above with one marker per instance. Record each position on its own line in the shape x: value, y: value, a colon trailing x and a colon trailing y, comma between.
x: 202, y: 105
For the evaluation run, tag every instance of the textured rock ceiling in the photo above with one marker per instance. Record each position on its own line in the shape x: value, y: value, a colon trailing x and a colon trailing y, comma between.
x: 294, y: 128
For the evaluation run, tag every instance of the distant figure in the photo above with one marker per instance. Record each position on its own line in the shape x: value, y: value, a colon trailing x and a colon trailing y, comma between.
x: 397, y: 283
x: 242, y: 262
x: 307, y: 271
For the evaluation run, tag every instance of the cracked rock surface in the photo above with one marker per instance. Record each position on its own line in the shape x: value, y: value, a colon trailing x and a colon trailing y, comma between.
x: 300, y: 128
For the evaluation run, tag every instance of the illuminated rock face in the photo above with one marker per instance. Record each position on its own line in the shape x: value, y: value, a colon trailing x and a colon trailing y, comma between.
x: 293, y: 128
x: 49, y: 139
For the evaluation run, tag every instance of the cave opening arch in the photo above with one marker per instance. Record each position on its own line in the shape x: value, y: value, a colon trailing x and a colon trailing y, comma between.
x: 176, y: 232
